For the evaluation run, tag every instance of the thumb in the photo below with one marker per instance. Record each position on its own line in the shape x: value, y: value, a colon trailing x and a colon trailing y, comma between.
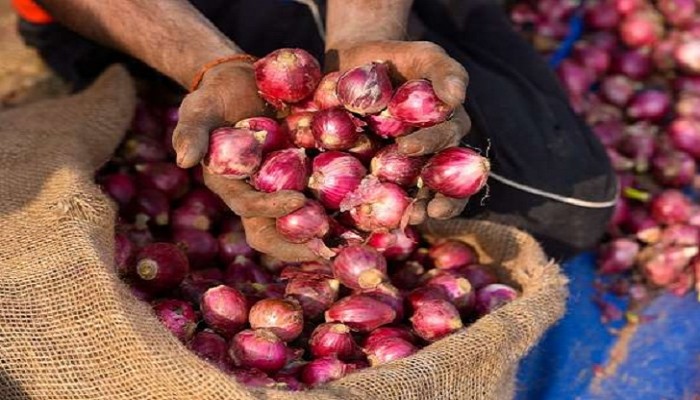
x: 199, y: 115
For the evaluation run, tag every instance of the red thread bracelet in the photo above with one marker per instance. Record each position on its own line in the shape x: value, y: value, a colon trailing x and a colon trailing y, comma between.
x: 211, y: 64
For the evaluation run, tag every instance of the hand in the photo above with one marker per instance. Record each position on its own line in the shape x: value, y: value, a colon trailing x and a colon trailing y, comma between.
x: 414, y: 60
x: 227, y: 95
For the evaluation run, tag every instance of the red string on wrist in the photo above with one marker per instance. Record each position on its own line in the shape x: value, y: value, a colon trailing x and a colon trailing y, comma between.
x: 211, y: 64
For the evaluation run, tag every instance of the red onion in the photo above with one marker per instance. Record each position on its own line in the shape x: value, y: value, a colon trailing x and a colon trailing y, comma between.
x: 284, y: 318
x: 556, y: 9
x: 309, y: 270
x: 523, y: 14
x: 166, y: 177
x: 304, y: 224
x: 451, y: 254
x: 325, y: 95
x: 139, y: 236
x: 276, y: 135
x: 359, y: 267
x: 232, y: 223
x: 673, y: 168
x: 178, y: 316
x: 389, y: 295
x: 120, y: 187
x: 207, y: 274
x: 206, y: 202
x: 678, y: 12
x: 283, y: 170
x: 150, y: 205
x: 365, y: 148
x: 594, y: 58
x: 299, y: 127
x: 242, y: 271
x: 258, y: 348
x: 456, y: 172
x: 361, y: 313
x: 386, y: 126
x: 435, y: 319
x: 576, y: 79
x: 143, y: 149
x: 408, y: 275
x: 323, y: 370
x: 234, y: 153
x: 334, y: 176
x: 687, y: 55
x: 232, y: 245
x: 383, y: 333
x: 395, y: 245
x: 688, y: 106
x: 625, y: 7
x: 272, y: 264
x: 209, y: 346
x: 417, y: 297
x: 416, y: 103
x: 602, y: 15
x: 365, y: 89
x: 600, y: 111
x: 123, y: 254
x: 478, y: 275
x: 145, y: 121
x: 190, y: 217
x: 687, y: 84
x: 642, y: 28
x: 618, y: 256
x: 314, y: 295
x: 680, y: 235
x: 639, y: 143
x: 251, y: 377
x: 634, y: 64
x: 287, y: 75
x: 161, y: 267
x: 670, y: 207
x: 458, y: 290
x: 200, y: 246
x: 604, y: 40
x: 389, y: 350
x: 664, y: 265
x: 685, y: 135
x: 650, y: 105
x: 224, y: 309
x: 332, y: 340
x: 492, y: 297
x: 390, y: 165
x: 662, y: 54
x: 334, y: 129
x: 617, y: 89
x: 193, y: 289
x: 376, y: 205
x: 610, y: 133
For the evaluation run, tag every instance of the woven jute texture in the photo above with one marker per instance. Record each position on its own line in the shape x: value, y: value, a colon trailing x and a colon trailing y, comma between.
x: 70, y: 330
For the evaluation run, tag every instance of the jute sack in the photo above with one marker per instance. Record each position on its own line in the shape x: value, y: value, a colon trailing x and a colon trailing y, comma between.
x: 70, y: 330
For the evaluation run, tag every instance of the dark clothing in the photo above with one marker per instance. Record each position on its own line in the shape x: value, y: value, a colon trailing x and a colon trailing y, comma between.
x: 520, y: 115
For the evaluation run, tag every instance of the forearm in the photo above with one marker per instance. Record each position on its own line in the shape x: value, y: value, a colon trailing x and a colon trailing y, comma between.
x: 169, y: 35
x: 363, y: 20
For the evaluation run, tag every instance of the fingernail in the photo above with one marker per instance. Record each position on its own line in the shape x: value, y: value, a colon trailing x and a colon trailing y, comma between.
x: 456, y: 88
x: 182, y: 156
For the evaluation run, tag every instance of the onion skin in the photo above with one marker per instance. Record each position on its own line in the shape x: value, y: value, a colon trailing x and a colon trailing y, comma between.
x: 323, y: 370
x: 258, y: 348
x: 673, y: 168
x: 334, y: 176
x: 651, y: 105
x: 424, y: 294
x: 209, y: 346
x: 685, y: 135
x: 334, y: 129
x: 188, y: 217
x: 242, y: 272
x: 617, y: 89
x: 386, y: 126
x: 160, y: 267
x: 376, y: 205
x: 332, y: 340
x: 299, y: 127
x: 359, y: 267
x: 435, y: 319
x: 618, y: 256
x: 151, y: 207
x: 276, y: 135
x: 389, y: 165
x: 671, y: 207
x: 224, y: 309
x: 232, y: 245
x: 395, y: 245
x: 408, y: 275
x: 478, y: 275
x: 178, y: 316
x: 492, y: 297
x: 388, y: 332
x: 458, y: 290
x: 123, y: 254
x: 389, y: 350
x: 365, y: 89
x: 283, y: 170
x: 456, y: 172
x: 663, y: 266
x: 452, y: 254
x: 120, y: 187
x: 389, y: 295
x: 416, y: 103
x: 365, y: 148
x: 687, y: 55
x: 234, y: 153
x: 314, y: 295
x: 200, y: 246
x: 287, y: 75
x: 304, y: 224
x: 325, y: 95
x: 166, y: 177
x: 361, y: 313
x: 642, y: 28
x: 143, y: 149
x: 284, y: 318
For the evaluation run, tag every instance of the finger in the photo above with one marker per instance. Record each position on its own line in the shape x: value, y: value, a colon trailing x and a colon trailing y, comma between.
x: 443, y: 207
x: 247, y: 202
x: 435, y: 138
x: 262, y: 236
x: 198, y: 116
x: 419, y: 211
x: 449, y: 78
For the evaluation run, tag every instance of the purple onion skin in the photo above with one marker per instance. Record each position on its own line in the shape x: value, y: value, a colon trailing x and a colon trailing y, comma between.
x: 123, y: 254
x: 391, y: 349
x: 287, y: 169
x: 685, y: 136
x: 323, y: 370
x: 160, y: 267
x: 618, y: 256
x: 365, y: 89
x: 120, y: 187
x: 287, y: 76
x: 209, y: 346
x: 334, y: 176
x: 304, y: 224
x: 456, y: 172
x: 416, y: 103
x: 674, y: 168
x: 359, y: 267
x: 258, y: 348
x: 435, y: 319
x: 224, y: 309
x: 361, y: 313
x: 233, y: 153
x: 188, y: 217
x: 332, y: 340
x: 388, y: 332
x: 143, y: 149
x: 494, y: 296
x: 166, y: 177
x: 178, y: 316
x: 376, y: 205
x: 284, y: 318
x: 670, y: 207
x: 232, y: 245
x: 200, y: 246
x: 314, y: 295
x: 276, y: 135
x: 334, y: 129
x: 386, y: 126
x: 452, y: 254
x: 389, y: 165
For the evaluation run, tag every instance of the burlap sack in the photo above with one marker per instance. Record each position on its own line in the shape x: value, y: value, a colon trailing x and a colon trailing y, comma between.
x: 69, y: 329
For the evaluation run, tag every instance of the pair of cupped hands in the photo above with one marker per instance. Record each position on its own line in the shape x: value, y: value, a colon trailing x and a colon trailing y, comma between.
x: 228, y: 93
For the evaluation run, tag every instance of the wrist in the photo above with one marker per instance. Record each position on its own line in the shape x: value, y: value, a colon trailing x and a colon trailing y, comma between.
x: 188, y: 70
x: 214, y: 67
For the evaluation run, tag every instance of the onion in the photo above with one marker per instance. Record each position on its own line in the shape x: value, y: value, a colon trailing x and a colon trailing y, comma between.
x: 408, y: 275
x: 625, y: 7
x: 287, y: 75
x: 209, y: 346
x: 299, y: 126
x: 365, y: 89
x: 594, y: 58
x: 492, y: 297
x: 334, y: 176
x: 149, y: 206
x: 205, y: 201
x: 361, y: 313
x: 325, y: 95
x: 306, y: 105
x: 451, y: 254
x: 618, y: 256
x: 610, y: 133
x: 617, y: 89
x: 308, y: 270
x: 688, y: 106
x: 284, y: 318
x: 390, y: 165
x: 365, y: 148
x: 234, y: 153
x: 207, y: 274
x: 687, y: 84
x: 678, y: 12
x: 388, y: 350
x: 685, y: 135
x: 276, y: 135
x: 456, y: 172
x: 258, y: 348
x: 417, y: 297
x: 435, y: 319
x: 523, y: 14
x: 383, y: 333
x: 687, y: 55
x: 251, y: 377
x: 680, y: 235
x: 145, y: 121
x: 478, y: 275
x: 190, y: 217
x: 673, y: 168
x: 224, y: 309
x: 160, y: 267
x: 120, y: 187
x: 634, y: 64
x: 416, y: 103
x: 166, y: 177
x: 650, y: 105
x: 304, y: 224
x: 143, y: 149
x: 359, y: 267
x: 639, y: 143
x: 386, y: 126
x: 389, y: 295
x: 575, y: 77
x: 376, y: 205
x: 123, y: 254
x: 332, y: 340
x: 642, y: 28
x: 200, y: 246
x: 397, y: 244
x: 283, y: 170
x: 178, y: 316
x: 314, y: 295
x: 139, y: 236
x: 334, y: 129
x: 602, y: 15
x: 243, y: 271
x: 323, y: 370
x: 664, y: 265
x: 290, y: 382
x: 232, y: 245
x: 457, y: 289
x: 670, y: 207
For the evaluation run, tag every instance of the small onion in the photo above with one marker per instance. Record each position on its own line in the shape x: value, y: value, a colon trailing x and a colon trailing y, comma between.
x: 492, y: 297
x: 458, y: 290
x: 234, y: 153
x: 314, y: 295
x: 160, y: 267
x: 452, y: 254
x: 386, y: 126
x: 259, y: 349
x: 299, y: 127
x: 287, y: 75
x: 200, y: 246
x: 325, y: 95
x: 283, y: 317
x: 388, y: 350
x: 361, y: 313
x: 390, y: 165
x: 670, y: 207
x: 224, y: 309
x: 283, y: 170
x: 334, y: 176
x: 276, y: 135
x: 416, y: 103
x: 209, y: 346
x: 332, y: 339
x: 365, y: 89
x: 334, y: 129
x: 388, y: 332
x: 376, y: 205
x: 120, y: 187
x: 456, y: 172
x: 359, y: 267
x: 323, y: 370
x: 232, y: 245
x: 397, y: 244
x: 178, y: 316
x: 435, y: 319
x: 166, y: 177
x: 304, y: 224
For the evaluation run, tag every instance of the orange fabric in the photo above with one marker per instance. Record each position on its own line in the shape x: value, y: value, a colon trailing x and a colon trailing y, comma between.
x: 32, y: 12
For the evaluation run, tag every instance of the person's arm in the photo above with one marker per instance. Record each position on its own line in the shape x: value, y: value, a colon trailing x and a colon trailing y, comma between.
x: 169, y: 35
x: 350, y: 22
